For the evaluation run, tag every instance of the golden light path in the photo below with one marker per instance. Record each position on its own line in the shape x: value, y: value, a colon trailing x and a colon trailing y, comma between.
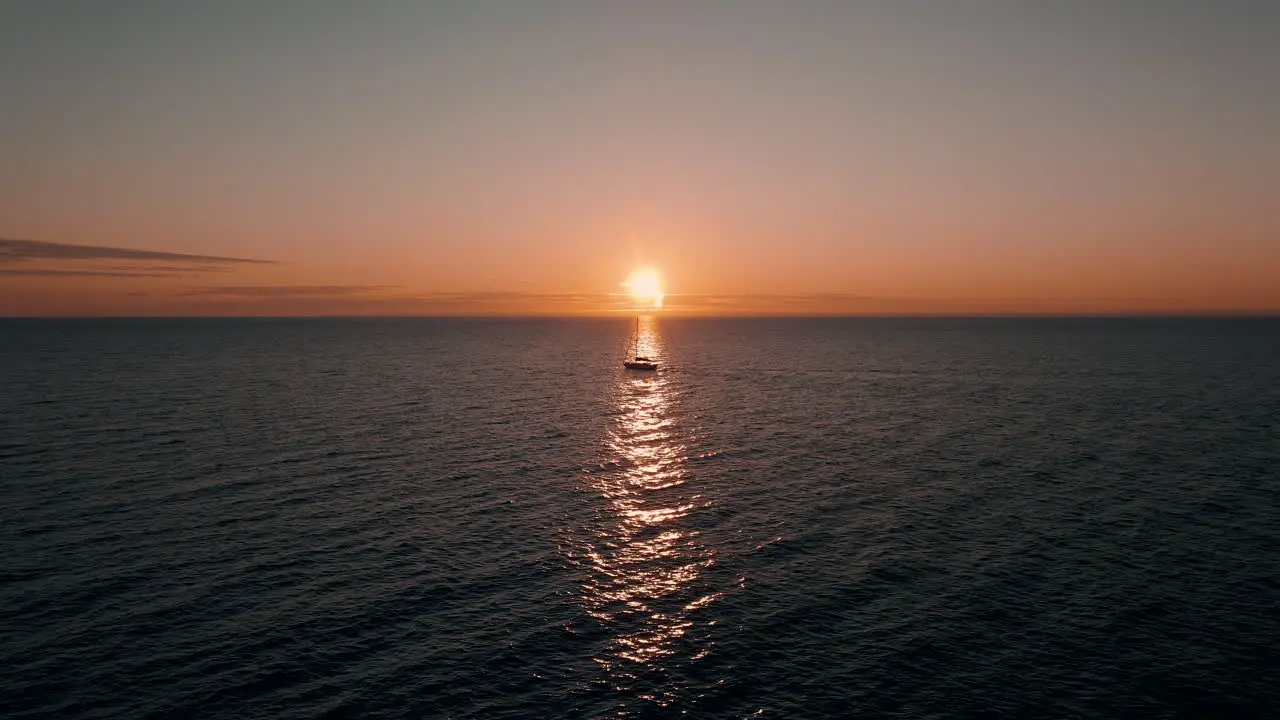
x: 642, y: 562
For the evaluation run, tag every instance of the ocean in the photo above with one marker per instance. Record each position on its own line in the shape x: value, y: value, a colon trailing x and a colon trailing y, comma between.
x: 491, y: 518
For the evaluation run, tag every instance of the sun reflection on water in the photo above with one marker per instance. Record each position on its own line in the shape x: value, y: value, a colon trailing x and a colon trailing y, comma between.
x: 643, y: 558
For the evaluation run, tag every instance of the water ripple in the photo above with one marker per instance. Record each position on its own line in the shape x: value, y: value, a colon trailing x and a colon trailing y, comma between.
x: 800, y: 519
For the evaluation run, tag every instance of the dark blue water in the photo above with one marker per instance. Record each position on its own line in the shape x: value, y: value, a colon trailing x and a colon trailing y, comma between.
x: 492, y: 519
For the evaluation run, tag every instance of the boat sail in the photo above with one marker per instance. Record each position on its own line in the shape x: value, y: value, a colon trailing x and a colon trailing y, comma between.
x: 638, y: 361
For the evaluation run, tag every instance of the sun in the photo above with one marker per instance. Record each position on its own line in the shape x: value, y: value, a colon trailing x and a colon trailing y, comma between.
x: 645, y: 287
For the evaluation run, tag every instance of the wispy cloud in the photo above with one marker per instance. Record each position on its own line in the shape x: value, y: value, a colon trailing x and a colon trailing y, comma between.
x: 388, y: 300
x: 168, y: 268
x: 506, y: 297
x: 786, y: 304
x: 24, y: 272
x: 17, y: 250
x: 288, y: 291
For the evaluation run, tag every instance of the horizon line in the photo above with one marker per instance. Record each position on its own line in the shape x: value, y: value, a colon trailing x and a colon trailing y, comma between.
x: 1119, y: 315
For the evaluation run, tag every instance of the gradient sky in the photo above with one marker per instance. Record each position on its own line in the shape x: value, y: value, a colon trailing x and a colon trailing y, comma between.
x: 515, y: 157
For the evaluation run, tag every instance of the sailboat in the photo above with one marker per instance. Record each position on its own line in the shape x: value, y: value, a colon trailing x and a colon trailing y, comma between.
x: 638, y: 361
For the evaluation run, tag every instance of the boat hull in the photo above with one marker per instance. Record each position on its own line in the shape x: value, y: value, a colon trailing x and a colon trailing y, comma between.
x: 639, y: 365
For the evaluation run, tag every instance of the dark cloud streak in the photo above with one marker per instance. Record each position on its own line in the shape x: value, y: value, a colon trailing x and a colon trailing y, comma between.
x: 511, y: 296
x: 22, y: 272
x: 207, y: 268
x: 18, y: 250
x: 286, y: 291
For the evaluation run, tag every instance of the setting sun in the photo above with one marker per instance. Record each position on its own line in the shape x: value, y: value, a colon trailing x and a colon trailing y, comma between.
x: 645, y: 287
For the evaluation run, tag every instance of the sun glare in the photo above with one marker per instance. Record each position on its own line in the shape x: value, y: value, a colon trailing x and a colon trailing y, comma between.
x: 645, y: 287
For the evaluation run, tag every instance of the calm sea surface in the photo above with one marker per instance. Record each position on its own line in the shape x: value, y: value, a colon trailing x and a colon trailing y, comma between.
x: 492, y: 519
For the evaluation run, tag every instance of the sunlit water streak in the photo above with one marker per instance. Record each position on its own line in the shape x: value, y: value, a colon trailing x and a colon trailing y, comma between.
x: 643, y: 564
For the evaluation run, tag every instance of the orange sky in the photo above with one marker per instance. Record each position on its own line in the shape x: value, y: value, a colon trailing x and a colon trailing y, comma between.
x: 523, y: 159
